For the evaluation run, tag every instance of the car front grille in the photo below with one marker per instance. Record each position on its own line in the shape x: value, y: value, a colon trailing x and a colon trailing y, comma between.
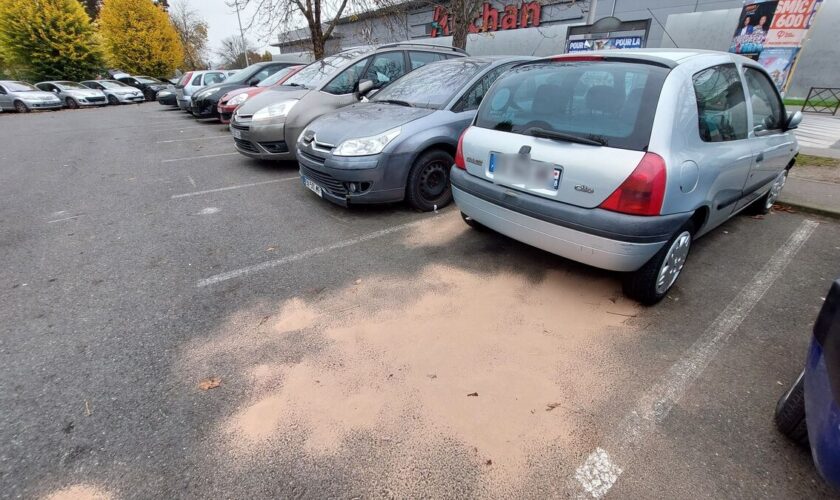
x: 325, y: 180
x: 309, y: 156
x: 96, y: 99
x: 240, y: 126
x: 246, y: 145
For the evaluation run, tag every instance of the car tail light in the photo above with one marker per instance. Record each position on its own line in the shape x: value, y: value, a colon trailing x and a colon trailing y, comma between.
x: 187, y: 78
x: 643, y: 191
x: 459, y: 153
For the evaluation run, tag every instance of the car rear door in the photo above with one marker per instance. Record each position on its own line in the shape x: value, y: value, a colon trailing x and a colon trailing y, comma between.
x: 5, y: 99
x: 773, y: 147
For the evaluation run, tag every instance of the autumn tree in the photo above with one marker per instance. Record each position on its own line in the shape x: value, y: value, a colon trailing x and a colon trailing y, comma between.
x: 48, y: 40
x: 192, y: 31
x: 139, y: 37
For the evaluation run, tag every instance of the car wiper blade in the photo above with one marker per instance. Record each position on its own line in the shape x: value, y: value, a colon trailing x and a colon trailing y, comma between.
x: 397, y: 102
x: 551, y: 134
x: 294, y: 85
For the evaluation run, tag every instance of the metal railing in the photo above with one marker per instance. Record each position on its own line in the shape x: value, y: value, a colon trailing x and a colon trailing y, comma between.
x: 822, y: 100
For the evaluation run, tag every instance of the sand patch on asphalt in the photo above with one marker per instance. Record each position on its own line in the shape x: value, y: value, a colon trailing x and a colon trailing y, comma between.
x: 80, y: 492
x: 441, y: 233
x: 502, y: 364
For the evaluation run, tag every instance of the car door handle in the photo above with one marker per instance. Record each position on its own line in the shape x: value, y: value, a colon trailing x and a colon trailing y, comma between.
x: 759, y: 158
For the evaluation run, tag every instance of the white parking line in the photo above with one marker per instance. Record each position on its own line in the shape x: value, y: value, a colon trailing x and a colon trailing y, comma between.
x: 218, y: 278
x: 64, y: 219
x: 194, y: 139
x: 228, y: 188
x: 600, y: 470
x: 198, y: 157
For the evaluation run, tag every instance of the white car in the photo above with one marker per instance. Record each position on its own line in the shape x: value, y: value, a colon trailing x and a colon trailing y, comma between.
x: 116, y: 92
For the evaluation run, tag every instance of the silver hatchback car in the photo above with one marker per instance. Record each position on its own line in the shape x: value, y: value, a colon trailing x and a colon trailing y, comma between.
x: 620, y: 160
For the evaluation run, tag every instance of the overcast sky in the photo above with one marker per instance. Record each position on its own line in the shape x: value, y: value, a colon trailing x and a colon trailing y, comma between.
x: 222, y: 22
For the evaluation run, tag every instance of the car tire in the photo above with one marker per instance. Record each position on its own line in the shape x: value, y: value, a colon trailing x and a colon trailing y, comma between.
x: 790, y: 413
x: 71, y: 103
x: 149, y: 96
x: 473, y: 223
x: 112, y: 100
x: 650, y: 283
x: 428, y: 186
x: 764, y: 204
x: 21, y: 107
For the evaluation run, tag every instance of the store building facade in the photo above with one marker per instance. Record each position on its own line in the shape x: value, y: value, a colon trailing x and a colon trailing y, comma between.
x: 547, y: 27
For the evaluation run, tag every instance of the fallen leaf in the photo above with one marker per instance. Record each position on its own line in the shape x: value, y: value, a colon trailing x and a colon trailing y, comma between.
x: 551, y: 406
x: 432, y: 376
x: 358, y: 281
x: 758, y: 217
x: 264, y: 319
x: 209, y: 383
x: 88, y: 412
x: 488, y: 462
x: 472, y: 394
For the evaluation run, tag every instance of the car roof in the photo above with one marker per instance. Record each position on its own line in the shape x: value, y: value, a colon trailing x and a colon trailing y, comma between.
x: 667, y: 57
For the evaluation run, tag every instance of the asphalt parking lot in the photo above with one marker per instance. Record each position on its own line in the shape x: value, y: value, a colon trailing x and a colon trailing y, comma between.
x: 373, y: 352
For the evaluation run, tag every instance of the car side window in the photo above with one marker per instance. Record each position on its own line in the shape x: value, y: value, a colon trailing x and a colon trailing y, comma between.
x: 2, y: 90
x: 385, y: 68
x: 767, y: 109
x: 348, y: 80
x: 472, y: 99
x: 721, y: 106
x: 196, y: 82
x: 419, y: 59
x: 211, y: 78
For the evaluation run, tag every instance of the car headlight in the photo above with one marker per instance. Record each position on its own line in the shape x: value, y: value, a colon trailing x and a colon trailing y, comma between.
x: 366, y: 145
x: 274, y: 111
x: 238, y: 99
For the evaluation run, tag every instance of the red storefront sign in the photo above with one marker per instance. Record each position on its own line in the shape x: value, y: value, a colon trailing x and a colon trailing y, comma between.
x: 490, y: 18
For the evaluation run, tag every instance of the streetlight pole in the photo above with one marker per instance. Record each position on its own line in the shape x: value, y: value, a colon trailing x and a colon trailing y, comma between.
x: 242, y: 35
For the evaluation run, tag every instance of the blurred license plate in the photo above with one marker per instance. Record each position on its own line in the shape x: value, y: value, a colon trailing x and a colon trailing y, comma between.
x: 314, y: 187
x: 236, y: 133
x: 521, y: 171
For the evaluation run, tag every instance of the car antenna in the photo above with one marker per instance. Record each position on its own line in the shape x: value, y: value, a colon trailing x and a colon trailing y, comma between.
x: 663, y: 28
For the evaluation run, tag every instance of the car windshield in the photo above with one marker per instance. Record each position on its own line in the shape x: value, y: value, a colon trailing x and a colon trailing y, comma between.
x: 433, y: 85
x: 321, y: 71
x: 243, y: 75
x: 69, y: 86
x: 147, y: 79
x: 19, y: 87
x: 276, y: 77
x: 110, y: 84
x: 607, y: 102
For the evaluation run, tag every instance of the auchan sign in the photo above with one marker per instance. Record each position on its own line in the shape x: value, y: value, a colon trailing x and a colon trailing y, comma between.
x: 490, y: 18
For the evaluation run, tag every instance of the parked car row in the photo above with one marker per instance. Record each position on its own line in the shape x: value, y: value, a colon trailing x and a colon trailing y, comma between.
x: 618, y: 160
x: 24, y: 97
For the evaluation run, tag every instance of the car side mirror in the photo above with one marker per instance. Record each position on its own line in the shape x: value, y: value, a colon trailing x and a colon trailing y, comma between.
x: 365, y: 86
x: 253, y: 82
x: 55, y: 91
x: 793, y: 120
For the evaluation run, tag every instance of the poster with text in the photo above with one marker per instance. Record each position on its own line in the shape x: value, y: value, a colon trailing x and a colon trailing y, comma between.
x: 753, y: 25
x: 791, y: 22
x: 778, y: 62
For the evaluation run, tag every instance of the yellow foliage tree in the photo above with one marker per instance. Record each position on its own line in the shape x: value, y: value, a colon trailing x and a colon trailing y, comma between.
x: 139, y: 38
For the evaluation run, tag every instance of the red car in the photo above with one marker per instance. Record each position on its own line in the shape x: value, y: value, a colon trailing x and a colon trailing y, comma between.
x: 230, y: 101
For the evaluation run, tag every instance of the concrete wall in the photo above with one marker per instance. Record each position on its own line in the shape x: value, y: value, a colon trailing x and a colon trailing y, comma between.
x: 819, y: 61
x: 632, y: 10
x: 710, y: 30
x: 542, y: 41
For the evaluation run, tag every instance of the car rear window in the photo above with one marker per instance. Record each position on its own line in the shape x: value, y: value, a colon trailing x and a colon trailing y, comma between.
x: 613, y: 102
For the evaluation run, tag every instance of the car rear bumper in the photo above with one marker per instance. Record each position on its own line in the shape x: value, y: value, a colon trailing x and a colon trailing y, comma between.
x: 168, y: 100
x: 596, y: 237
x: 204, y: 109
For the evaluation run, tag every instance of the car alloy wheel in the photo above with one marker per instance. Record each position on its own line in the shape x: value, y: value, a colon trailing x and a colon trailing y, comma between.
x: 113, y: 100
x: 673, y: 263
x: 20, y: 107
x: 72, y: 104
x: 776, y: 189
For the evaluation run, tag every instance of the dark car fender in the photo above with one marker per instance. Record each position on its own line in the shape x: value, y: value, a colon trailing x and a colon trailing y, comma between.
x: 431, y: 132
